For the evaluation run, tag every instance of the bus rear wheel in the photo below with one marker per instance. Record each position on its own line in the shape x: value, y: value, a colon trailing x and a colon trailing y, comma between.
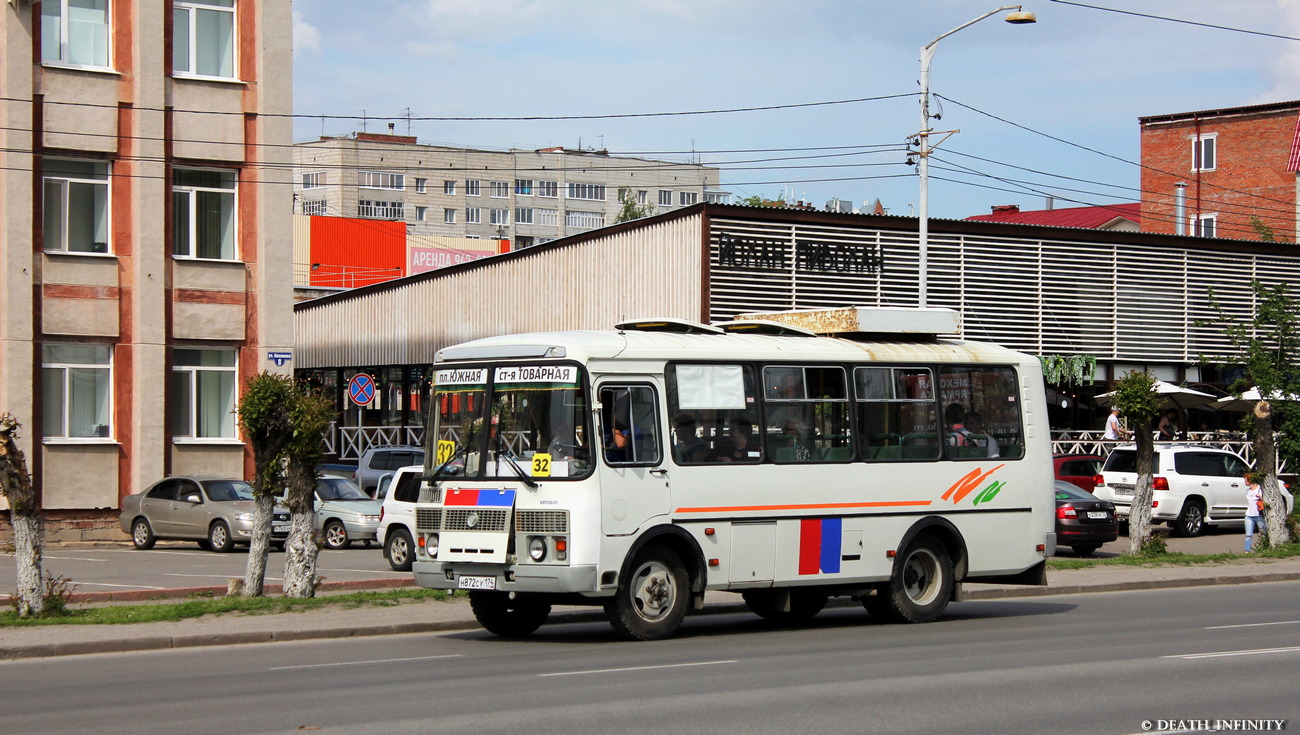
x: 770, y: 604
x: 508, y: 614
x: 921, y: 584
x: 651, y: 601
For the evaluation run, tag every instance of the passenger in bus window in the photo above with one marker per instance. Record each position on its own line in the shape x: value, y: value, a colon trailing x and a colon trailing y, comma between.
x: 955, y: 417
x: 740, y: 445
x: 688, y: 448
x: 980, y: 435
x: 799, y: 451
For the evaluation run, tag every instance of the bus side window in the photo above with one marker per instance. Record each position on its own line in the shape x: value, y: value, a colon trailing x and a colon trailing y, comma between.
x: 629, y: 425
x: 807, y: 414
x: 896, y: 415
x: 987, y: 417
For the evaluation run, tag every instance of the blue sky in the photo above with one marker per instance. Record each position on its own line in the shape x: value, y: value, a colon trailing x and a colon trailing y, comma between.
x: 1082, y: 75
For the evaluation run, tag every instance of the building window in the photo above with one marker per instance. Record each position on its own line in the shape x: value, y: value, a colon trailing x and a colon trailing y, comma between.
x: 641, y: 196
x: 498, y: 216
x: 314, y: 180
x: 314, y: 207
x: 1204, y: 225
x: 665, y: 198
x: 594, y: 192
x: 499, y: 189
x: 75, y: 32
x: 76, y: 206
x: 380, y: 210
x: 717, y: 197
x: 523, y: 215
x: 1204, y: 153
x: 586, y: 220
x: 523, y: 186
x: 687, y: 198
x: 548, y: 189
x: 381, y: 180
x: 419, y: 213
x: 472, y: 188
x: 547, y: 217
x: 449, y: 188
x: 203, y: 38
x: 203, y: 203
x: 449, y: 216
x: 76, y: 395
x: 473, y: 215
x: 421, y: 186
x: 203, y: 393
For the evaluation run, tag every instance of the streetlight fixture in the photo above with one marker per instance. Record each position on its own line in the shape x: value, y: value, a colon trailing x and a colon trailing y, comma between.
x: 923, y: 137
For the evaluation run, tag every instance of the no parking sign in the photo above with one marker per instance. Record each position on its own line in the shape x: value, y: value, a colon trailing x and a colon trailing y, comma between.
x: 361, y: 389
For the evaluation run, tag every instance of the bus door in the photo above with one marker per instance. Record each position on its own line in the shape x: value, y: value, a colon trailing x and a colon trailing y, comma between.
x: 633, y: 479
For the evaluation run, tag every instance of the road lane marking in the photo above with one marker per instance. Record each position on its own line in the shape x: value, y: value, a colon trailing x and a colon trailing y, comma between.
x: 1253, y: 625
x: 364, y: 663
x: 71, y: 558
x: 109, y: 584
x: 1244, y: 652
x: 639, y: 668
x: 386, y: 572
x: 217, y: 576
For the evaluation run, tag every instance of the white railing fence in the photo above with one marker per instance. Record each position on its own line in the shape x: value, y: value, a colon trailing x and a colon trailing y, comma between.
x: 1070, y: 441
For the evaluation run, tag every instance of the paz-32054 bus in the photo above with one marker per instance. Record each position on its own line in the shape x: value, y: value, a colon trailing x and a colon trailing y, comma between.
x: 641, y: 467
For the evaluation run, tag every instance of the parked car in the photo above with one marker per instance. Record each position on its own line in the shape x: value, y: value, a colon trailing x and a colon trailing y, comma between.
x: 1079, y: 469
x: 344, y: 514
x: 215, y: 511
x: 397, y: 517
x: 377, y: 461
x: 1193, y: 486
x: 1083, y: 522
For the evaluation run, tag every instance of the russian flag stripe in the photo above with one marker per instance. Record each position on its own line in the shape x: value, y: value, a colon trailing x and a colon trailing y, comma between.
x: 810, y: 545
x: 462, y: 496
x: 468, y: 496
x: 496, y: 498
x: 832, y: 535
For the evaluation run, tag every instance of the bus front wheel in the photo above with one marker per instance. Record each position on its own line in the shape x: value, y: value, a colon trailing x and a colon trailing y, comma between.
x: 921, y: 584
x: 651, y: 601
x: 508, y: 614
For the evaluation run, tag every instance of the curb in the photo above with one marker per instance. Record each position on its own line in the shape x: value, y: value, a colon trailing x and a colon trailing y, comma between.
x: 173, y: 593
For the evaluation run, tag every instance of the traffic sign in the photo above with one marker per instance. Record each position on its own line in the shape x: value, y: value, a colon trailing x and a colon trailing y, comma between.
x: 361, y: 389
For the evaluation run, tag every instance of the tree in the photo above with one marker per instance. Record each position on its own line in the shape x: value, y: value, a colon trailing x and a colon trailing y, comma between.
x: 265, y: 413
x: 24, y: 517
x: 631, y: 210
x: 1135, y: 395
x: 1265, y: 346
x: 310, y: 413
x: 758, y: 200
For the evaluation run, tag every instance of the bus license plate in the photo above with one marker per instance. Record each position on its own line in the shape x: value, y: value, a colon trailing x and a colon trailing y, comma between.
x: 476, y: 583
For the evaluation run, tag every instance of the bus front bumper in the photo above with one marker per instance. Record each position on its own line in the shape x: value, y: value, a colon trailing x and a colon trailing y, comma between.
x: 509, y: 578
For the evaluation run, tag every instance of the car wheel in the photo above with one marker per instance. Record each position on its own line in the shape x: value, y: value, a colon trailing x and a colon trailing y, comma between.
x: 770, y: 605
x: 1191, y: 521
x: 651, y: 601
x: 142, y: 534
x: 921, y: 583
x: 1085, y: 549
x: 336, y: 535
x: 219, y: 537
x: 400, y: 551
x: 508, y: 614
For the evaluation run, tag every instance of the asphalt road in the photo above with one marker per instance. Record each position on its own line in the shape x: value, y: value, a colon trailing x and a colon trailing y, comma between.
x: 1066, y: 664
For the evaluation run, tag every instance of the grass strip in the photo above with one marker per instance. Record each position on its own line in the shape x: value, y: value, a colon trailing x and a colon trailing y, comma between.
x: 1174, y: 558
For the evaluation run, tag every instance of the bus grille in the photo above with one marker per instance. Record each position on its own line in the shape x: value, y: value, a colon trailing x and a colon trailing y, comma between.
x: 428, y: 519
x: 487, y: 520
x: 542, y: 521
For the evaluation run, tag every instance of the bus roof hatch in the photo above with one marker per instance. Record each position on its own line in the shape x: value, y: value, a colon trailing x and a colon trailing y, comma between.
x: 677, y: 326
x: 866, y: 320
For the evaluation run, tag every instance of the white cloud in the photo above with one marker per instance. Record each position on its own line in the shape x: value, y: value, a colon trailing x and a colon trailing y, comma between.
x: 306, y: 37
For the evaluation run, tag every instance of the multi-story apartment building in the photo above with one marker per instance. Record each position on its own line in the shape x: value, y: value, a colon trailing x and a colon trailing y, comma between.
x: 1222, y: 173
x: 145, y: 235
x: 527, y: 197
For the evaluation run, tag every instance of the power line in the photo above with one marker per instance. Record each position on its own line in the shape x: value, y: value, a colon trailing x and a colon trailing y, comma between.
x: 1177, y: 20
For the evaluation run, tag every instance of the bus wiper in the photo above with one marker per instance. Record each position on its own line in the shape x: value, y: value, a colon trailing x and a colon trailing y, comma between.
x: 530, y: 482
x: 463, y: 449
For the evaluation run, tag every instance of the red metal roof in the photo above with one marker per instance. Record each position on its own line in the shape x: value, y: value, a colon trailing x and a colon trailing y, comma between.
x: 1086, y: 217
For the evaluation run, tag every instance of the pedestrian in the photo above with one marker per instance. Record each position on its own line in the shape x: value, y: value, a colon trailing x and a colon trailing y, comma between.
x: 1115, y: 432
x: 1254, y: 506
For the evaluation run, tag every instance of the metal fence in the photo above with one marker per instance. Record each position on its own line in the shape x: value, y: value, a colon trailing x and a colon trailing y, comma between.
x: 350, y: 442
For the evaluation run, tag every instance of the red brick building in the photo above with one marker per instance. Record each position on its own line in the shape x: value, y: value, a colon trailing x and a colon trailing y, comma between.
x: 1237, y: 165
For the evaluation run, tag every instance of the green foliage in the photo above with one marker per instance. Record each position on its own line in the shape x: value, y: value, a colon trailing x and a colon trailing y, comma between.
x: 1265, y: 232
x: 310, y: 414
x: 58, y: 591
x: 1153, y: 546
x: 1135, y: 395
x: 758, y: 200
x: 265, y: 415
x: 1069, y: 369
x: 630, y: 209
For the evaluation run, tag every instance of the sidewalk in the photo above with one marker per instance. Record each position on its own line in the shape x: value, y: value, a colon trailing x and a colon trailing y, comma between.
x: 338, y: 621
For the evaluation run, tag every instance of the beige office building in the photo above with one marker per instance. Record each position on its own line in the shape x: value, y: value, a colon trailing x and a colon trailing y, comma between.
x: 145, y: 226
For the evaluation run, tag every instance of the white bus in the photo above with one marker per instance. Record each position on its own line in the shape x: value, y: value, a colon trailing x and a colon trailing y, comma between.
x: 642, y: 467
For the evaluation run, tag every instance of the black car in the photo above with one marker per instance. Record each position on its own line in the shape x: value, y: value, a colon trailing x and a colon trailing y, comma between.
x: 1083, y: 522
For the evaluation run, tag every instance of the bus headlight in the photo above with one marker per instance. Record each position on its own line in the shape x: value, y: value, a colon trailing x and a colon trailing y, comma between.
x: 431, y: 545
x: 537, y: 548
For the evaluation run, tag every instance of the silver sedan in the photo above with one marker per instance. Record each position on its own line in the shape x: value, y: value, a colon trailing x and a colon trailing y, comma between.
x: 217, y: 512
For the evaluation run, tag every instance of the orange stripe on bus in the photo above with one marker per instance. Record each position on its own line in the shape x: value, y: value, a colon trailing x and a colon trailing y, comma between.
x: 808, y: 506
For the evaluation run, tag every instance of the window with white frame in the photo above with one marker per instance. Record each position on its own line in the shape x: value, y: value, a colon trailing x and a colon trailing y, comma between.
x: 75, y: 32
x: 548, y: 189
x: 203, y: 38
x: 498, y: 216
x: 449, y: 188
x: 687, y: 198
x: 523, y: 186
x: 1204, y: 152
x: 547, y: 217
x: 314, y: 207
x: 421, y: 186
x: 641, y: 196
x: 313, y: 180
x: 75, y: 206
x: 381, y: 180
x: 76, y: 391
x: 419, y: 213
x: 380, y: 210
x: 594, y: 192
x: 717, y: 197
x: 449, y: 216
x: 473, y: 215
x: 472, y: 188
x: 203, y: 393
x: 584, y: 219
x: 1204, y: 225
x: 499, y: 189
x: 665, y: 198
x: 523, y: 215
x: 203, y: 213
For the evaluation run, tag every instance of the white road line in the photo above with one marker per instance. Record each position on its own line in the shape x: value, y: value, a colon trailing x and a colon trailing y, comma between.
x: 71, y: 558
x: 1225, y: 654
x: 1253, y: 625
x: 638, y: 668
x: 387, y: 573
x: 109, y: 584
x: 217, y: 576
x: 363, y: 663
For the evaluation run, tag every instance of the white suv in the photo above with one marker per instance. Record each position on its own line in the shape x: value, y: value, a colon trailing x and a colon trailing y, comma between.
x: 397, y: 516
x: 1193, y: 486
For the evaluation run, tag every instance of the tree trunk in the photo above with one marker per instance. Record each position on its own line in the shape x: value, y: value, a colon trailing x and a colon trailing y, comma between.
x: 300, y: 557
x: 259, y: 546
x: 1266, y: 463
x: 16, y: 486
x: 1139, y: 514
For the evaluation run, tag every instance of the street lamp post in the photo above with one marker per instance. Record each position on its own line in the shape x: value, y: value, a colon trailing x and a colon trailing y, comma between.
x: 923, y: 138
